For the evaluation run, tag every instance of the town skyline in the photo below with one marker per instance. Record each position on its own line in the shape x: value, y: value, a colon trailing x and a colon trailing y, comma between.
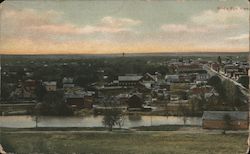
x: 114, y: 27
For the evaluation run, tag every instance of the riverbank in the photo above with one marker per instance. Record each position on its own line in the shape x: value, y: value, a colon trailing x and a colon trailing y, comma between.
x: 129, y: 142
x: 79, y: 129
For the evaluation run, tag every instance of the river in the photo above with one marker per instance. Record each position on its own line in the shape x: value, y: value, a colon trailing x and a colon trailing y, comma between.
x: 94, y: 121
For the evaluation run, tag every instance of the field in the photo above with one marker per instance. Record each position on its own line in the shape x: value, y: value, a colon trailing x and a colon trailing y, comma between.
x: 118, y: 142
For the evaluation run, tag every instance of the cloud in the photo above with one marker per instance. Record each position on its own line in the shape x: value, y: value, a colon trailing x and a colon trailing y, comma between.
x: 29, y: 30
x: 182, y: 28
x: 239, y: 37
x: 221, y: 17
x: 51, y: 22
x: 26, y: 17
x: 212, y: 21
x: 211, y: 28
x: 106, y: 25
x: 34, y: 31
x: 109, y: 21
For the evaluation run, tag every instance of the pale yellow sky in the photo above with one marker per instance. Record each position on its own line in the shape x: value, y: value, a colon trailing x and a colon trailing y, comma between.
x: 95, y: 27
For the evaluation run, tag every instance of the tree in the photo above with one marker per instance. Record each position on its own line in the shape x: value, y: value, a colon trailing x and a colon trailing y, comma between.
x: 5, y: 92
x: 40, y: 91
x: 36, y: 114
x: 53, y: 104
x: 112, y: 117
x: 195, y: 104
x: 184, y: 111
x: 236, y: 96
x: 244, y: 80
x: 227, y: 123
x: 219, y: 60
x: 216, y: 82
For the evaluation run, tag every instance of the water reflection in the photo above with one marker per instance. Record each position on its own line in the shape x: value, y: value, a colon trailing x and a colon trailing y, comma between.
x: 94, y: 121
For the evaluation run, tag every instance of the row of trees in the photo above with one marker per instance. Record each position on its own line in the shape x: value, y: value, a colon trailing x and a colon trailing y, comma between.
x: 230, y: 97
x: 229, y: 94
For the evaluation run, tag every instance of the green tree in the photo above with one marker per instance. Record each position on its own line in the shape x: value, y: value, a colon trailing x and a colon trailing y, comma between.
x: 195, y: 104
x: 5, y: 92
x: 219, y: 60
x: 236, y: 97
x: 216, y: 82
x: 112, y: 117
x: 37, y: 113
x: 53, y: 104
x: 40, y: 91
x: 244, y: 80
x: 227, y: 123
x: 184, y: 111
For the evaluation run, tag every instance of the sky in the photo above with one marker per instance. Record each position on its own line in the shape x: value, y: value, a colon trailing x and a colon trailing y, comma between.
x: 117, y: 26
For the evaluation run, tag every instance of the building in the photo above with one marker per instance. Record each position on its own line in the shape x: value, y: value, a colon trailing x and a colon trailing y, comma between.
x: 68, y: 83
x: 172, y: 78
x: 215, y: 66
x: 148, y: 80
x: 30, y: 84
x: 88, y: 101
x: 50, y: 85
x: 76, y: 101
x: 216, y: 119
x: 135, y: 102
x: 80, y: 99
x: 202, y: 76
x: 189, y: 68
x: 129, y: 80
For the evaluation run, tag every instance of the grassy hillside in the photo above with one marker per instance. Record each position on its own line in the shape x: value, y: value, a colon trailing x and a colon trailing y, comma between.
x: 117, y: 142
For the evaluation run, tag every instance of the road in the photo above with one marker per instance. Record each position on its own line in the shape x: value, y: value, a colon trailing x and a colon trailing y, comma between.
x: 212, y: 72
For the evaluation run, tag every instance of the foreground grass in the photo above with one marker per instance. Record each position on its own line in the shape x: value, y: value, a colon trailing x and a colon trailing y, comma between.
x: 127, y: 143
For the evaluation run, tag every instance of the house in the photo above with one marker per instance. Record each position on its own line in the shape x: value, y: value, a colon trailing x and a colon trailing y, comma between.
x: 50, y: 85
x: 172, y: 78
x: 230, y: 69
x: 162, y: 85
x: 68, y: 83
x: 189, y: 68
x: 135, y: 102
x: 30, y: 84
x: 129, y: 80
x: 80, y: 99
x: 142, y: 88
x: 88, y: 101
x: 185, y: 78
x: 202, y: 76
x: 216, y: 119
x: 25, y: 90
x: 215, y: 66
x: 75, y: 100
x: 148, y: 80
x: 132, y: 80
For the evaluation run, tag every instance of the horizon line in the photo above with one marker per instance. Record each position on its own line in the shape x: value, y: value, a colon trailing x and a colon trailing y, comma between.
x: 129, y: 53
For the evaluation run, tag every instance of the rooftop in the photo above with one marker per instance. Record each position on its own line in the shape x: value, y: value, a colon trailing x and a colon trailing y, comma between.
x: 129, y: 78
